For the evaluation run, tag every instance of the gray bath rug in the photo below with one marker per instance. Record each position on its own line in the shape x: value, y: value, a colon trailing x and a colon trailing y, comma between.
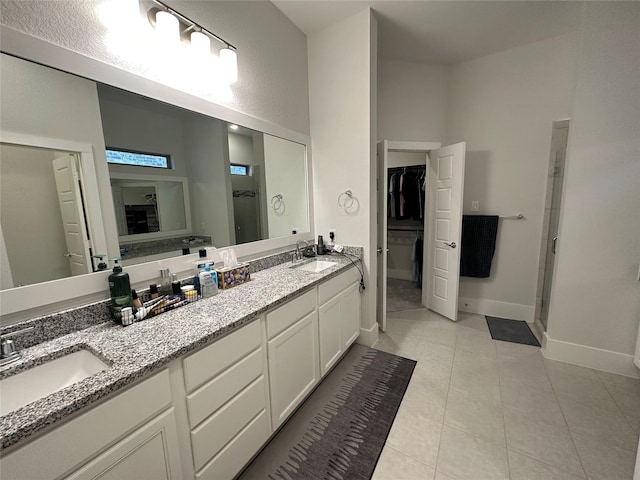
x: 514, y: 331
x: 340, y: 430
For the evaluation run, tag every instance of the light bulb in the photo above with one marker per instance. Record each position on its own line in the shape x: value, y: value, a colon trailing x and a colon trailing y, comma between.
x: 167, y: 27
x: 200, y: 44
x: 229, y: 64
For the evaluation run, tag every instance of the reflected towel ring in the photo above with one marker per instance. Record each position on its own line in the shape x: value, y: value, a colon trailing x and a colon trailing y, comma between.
x: 345, y: 199
x: 277, y: 202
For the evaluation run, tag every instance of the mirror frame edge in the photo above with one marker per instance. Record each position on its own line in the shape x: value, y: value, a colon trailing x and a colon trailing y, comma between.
x: 25, y: 302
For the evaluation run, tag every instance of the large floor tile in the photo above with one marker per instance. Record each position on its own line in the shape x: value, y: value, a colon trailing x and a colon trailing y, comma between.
x: 603, y: 461
x: 536, y: 403
x: 580, y: 384
x: 428, y: 351
x: 475, y: 363
x: 394, y: 465
x: 404, y: 327
x: 435, y: 373
x: 548, y: 443
x: 481, y: 387
x: 477, y: 342
x: 608, y: 426
x: 439, y: 332
x: 522, y: 467
x: 475, y: 417
x: 465, y: 456
x: 627, y: 397
x: 415, y: 435
x: 426, y: 399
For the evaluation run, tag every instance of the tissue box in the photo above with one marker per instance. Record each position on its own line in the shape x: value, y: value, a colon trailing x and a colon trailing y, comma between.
x: 233, y: 276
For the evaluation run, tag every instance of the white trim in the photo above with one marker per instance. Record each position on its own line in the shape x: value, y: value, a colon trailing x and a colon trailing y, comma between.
x: 141, y: 237
x: 401, y: 146
x: 590, y: 357
x: 368, y: 337
x: 494, y: 308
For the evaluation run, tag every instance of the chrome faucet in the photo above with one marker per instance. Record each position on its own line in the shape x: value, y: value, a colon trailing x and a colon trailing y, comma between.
x: 9, y: 352
x: 298, y: 254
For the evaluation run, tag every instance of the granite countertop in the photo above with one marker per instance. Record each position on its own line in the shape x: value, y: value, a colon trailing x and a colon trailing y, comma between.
x: 141, y: 349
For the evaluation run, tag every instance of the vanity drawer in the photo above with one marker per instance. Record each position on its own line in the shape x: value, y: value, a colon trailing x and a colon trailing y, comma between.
x: 211, y: 435
x: 288, y: 314
x: 336, y: 285
x: 237, y: 453
x: 212, y: 395
x: 208, y: 362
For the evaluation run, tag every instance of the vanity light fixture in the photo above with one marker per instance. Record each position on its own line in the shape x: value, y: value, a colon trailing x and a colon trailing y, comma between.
x: 174, y: 25
x: 233, y: 126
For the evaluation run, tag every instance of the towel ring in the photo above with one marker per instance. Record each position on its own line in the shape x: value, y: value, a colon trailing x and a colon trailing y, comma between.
x: 276, y: 201
x: 345, y: 199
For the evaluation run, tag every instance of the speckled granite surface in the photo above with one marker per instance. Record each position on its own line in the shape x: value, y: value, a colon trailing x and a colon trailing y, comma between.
x: 138, y: 350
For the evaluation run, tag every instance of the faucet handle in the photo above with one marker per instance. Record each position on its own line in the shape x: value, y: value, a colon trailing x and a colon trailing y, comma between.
x: 8, y: 348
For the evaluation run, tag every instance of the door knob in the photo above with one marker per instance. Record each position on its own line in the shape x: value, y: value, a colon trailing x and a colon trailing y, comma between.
x: 379, y: 250
x: 452, y: 244
x: 68, y: 255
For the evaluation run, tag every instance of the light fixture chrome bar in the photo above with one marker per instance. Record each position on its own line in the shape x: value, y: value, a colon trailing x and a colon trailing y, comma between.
x: 192, y: 24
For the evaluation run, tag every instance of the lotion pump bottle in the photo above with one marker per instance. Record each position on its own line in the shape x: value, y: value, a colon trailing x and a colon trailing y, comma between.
x: 119, y: 286
x: 208, y: 285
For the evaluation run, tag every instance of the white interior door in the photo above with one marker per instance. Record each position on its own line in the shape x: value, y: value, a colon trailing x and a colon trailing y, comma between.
x: 442, y: 248
x: 382, y: 187
x: 73, y: 221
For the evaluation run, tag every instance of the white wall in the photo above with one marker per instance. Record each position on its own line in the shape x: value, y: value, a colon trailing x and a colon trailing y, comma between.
x: 207, y: 147
x: 412, y: 101
x: 342, y: 94
x: 595, y: 295
x: 33, y: 231
x: 272, y: 64
x: 43, y: 102
x: 286, y: 175
x: 503, y: 106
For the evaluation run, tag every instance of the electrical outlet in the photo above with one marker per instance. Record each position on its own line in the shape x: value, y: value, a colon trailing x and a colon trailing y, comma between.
x: 475, y: 206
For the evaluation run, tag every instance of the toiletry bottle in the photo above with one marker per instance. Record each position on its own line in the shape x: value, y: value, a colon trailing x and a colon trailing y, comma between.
x: 320, y: 246
x: 175, y: 285
x: 119, y: 286
x: 135, y: 300
x: 165, y: 282
x: 153, y: 291
x: 208, y: 285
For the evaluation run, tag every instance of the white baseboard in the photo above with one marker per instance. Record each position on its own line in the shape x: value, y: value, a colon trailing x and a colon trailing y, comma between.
x: 399, y: 274
x: 368, y: 337
x: 493, y: 308
x: 590, y: 357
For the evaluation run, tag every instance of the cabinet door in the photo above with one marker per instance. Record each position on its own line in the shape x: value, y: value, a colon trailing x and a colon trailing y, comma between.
x: 330, y: 329
x: 293, y: 366
x: 350, y: 313
x: 151, y: 452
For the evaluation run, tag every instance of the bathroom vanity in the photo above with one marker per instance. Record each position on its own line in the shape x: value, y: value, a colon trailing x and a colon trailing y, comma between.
x: 192, y: 393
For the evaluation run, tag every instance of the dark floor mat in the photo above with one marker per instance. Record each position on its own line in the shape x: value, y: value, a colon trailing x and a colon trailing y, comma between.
x: 513, y: 331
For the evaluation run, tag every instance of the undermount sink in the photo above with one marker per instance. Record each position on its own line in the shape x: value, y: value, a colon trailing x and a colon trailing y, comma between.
x: 38, y: 382
x: 315, y: 266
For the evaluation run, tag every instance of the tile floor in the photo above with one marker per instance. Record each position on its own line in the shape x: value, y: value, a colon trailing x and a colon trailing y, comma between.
x: 482, y: 409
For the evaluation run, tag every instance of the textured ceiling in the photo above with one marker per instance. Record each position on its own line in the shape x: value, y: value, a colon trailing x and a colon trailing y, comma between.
x: 443, y: 32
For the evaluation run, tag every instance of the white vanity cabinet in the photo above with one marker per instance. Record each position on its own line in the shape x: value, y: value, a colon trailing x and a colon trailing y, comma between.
x: 114, y: 440
x: 227, y: 402
x: 339, y: 317
x: 292, y: 332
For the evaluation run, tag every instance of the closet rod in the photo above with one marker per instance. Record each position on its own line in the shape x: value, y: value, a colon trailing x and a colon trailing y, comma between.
x: 514, y: 217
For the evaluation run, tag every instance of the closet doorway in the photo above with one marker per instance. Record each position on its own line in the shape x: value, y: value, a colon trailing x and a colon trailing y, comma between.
x: 418, y: 230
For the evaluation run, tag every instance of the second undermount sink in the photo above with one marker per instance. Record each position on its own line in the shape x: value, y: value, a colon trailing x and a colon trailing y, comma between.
x: 38, y: 382
x: 315, y: 266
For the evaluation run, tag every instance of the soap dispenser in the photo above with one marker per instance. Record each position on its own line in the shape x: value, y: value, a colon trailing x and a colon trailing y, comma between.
x: 119, y: 286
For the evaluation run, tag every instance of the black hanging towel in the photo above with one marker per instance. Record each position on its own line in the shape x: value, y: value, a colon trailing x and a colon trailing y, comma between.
x: 478, y: 244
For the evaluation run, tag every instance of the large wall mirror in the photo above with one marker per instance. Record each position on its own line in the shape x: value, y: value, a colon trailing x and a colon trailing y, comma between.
x: 140, y: 178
